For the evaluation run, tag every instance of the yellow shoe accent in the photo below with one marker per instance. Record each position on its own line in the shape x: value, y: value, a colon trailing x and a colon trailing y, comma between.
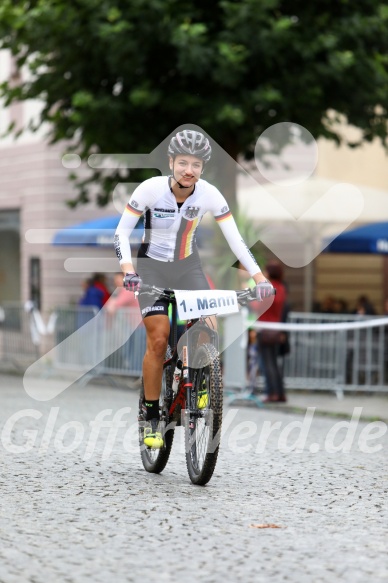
x: 203, y: 399
x: 152, y: 438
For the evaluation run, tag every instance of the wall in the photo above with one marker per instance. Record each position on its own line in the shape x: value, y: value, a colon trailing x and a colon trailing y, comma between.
x: 366, y: 165
x: 351, y: 275
x: 33, y: 181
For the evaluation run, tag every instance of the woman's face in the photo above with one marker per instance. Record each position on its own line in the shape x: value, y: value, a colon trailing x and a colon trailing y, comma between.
x: 186, y: 169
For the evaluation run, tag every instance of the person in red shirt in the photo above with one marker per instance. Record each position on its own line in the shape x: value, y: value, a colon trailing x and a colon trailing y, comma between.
x: 270, y: 341
x: 126, y: 324
x: 120, y: 298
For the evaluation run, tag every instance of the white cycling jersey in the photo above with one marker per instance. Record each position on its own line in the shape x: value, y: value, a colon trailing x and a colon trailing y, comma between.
x: 170, y: 231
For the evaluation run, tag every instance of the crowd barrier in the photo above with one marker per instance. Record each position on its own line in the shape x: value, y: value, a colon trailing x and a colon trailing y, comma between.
x: 21, y: 329
x: 327, y: 351
x: 349, y: 353
x: 336, y: 352
x: 115, y: 341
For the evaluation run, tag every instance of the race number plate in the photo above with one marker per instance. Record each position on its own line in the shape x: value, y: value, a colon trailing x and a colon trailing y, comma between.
x: 194, y: 304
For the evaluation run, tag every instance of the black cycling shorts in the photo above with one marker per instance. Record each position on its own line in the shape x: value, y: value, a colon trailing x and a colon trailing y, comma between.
x: 183, y: 274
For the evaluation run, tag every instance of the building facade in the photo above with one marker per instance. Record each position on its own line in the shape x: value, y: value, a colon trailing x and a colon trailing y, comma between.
x: 348, y: 276
x: 34, y: 188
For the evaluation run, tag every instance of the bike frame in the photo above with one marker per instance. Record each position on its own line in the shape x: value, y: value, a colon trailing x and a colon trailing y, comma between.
x: 191, y: 388
x: 191, y: 336
x: 190, y: 340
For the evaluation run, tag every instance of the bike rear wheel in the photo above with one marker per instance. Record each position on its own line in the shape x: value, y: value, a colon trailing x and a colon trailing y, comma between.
x: 203, y: 426
x: 155, y: 460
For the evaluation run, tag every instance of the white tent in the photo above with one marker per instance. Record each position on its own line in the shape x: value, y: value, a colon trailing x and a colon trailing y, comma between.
x: 297, y: 221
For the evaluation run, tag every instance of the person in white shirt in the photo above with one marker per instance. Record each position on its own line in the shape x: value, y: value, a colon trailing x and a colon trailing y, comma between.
x: 173, y: 207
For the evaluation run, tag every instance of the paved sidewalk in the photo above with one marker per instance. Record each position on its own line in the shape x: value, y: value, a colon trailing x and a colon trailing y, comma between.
x: 374, y: 406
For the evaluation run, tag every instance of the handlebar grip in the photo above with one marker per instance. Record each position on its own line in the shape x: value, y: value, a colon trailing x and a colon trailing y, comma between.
x: 253, y: 292
x: 145, y: 287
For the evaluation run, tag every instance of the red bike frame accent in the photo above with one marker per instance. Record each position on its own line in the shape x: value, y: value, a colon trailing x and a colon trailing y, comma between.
x: 180, y: 399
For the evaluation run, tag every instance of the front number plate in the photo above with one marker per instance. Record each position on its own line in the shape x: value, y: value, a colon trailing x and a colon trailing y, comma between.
x: 194, y: 304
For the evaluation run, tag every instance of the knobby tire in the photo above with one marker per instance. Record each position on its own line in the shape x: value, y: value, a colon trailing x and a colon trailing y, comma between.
x: 202, y: 441
x: 155, y: 460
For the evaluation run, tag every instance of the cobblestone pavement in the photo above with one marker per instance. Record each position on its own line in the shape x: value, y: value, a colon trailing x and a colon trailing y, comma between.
x: 78, y: 506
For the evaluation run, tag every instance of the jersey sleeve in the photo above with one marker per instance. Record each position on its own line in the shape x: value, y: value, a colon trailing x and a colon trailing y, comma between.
x: 133, y: 211
x: 228, y: 226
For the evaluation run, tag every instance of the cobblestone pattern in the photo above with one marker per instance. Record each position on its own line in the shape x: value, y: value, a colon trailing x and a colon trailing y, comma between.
x: 71, y: 517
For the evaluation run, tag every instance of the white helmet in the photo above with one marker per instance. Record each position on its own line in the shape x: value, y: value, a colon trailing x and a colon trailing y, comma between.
x: 190, y: 142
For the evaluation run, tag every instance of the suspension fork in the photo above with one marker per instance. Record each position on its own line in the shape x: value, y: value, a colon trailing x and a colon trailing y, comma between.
x: 187, y: 374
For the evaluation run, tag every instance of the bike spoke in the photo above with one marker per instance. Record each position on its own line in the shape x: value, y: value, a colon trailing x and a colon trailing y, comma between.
x: 204, y: 425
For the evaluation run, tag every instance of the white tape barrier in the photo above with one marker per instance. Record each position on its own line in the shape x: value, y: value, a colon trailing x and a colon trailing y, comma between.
x: 38, y: 321
x: 285, y: 327
x: 37, y: 325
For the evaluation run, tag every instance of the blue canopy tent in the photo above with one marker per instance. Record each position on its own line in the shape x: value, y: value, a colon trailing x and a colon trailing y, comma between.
x: 97, y: 233
x: 372, y: 238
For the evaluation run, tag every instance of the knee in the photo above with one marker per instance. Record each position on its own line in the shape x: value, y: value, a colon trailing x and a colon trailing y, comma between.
x: 158, y: 346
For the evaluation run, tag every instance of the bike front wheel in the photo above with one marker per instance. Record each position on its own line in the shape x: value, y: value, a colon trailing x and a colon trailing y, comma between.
x: 155, y: 460
x: 204, y: 417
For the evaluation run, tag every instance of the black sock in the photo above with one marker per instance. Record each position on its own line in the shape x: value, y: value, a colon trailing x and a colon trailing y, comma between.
x: 152, y: 408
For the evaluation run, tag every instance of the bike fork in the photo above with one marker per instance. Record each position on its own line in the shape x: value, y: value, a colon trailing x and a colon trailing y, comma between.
x: 190, y: 390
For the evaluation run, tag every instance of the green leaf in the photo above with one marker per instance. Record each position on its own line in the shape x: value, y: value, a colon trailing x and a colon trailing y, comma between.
x: 121, y: 75
x: 82, y: 99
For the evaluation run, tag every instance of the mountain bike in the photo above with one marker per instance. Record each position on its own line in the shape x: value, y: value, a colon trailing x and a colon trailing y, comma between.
x: 192, y: 391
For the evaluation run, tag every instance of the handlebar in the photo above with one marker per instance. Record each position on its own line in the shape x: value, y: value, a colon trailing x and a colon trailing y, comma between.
x: 243, y: 296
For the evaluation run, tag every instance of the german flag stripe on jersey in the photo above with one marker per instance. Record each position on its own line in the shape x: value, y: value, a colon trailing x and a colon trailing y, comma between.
x: 186, y: 235
x: 224, y: 217
x: 132, y: 211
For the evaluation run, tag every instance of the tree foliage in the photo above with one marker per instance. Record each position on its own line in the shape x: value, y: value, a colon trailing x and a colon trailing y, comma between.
x: 121, y: 75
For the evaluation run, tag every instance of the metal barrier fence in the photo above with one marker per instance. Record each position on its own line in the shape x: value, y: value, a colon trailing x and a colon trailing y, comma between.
x: 116, y: 342
x: 327, y: 351
x: 20, y: 334
x: 339, y: 358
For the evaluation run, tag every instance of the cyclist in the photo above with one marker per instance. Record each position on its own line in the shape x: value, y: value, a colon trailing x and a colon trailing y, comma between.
x: 174, y: 206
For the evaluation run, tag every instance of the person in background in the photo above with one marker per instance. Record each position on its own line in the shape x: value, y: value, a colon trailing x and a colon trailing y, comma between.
x: 341, y: 306
x: 99, y: 281
x: 252, y: 363
x: 120, y: 298
x: 328, y: 305
x: 89, y: 304
x: 252, y: 360
x: 131, y: 325
x: 92, y: 295
x: 270, y: 341
x: 364, y: 307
